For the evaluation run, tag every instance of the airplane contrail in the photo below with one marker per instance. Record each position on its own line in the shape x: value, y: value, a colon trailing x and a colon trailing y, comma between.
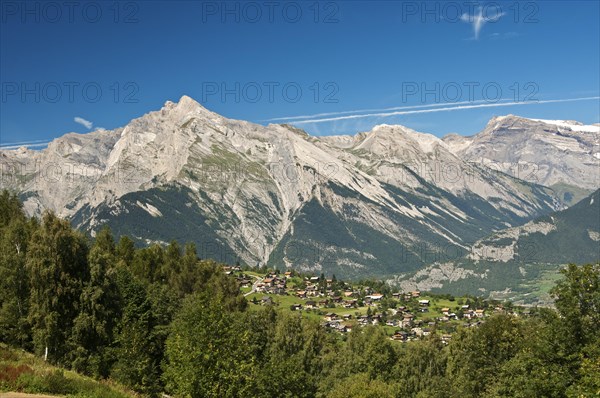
x: 29, y: 144
x: 453, y: 108
x: 395, y: 108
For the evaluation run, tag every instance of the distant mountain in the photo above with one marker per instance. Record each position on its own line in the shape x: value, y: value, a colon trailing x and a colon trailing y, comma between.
x: 374, y: 204
x: 564, y: 155
x: 516, y: 262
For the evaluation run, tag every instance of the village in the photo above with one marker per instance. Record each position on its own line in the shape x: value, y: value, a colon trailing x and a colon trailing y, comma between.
x: 342, y: 306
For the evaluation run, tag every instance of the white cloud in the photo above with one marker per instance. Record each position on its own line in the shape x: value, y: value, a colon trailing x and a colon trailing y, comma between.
x: 444, y: 109
x: 479, y: 19
x: 86, y: 123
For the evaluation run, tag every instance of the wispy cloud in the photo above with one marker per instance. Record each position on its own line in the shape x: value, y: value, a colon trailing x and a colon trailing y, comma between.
x: 86, y: 123
x: 479, y: 19
x: 443, y: 109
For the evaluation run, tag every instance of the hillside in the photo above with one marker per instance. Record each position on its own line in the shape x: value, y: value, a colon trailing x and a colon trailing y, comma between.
x: 25, y: 373
x: 519, y: 263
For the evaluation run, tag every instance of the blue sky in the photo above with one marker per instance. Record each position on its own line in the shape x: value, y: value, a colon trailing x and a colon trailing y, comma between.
x: 107, y: 63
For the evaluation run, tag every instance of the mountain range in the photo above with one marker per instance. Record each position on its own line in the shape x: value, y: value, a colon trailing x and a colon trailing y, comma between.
x: 383, y: 203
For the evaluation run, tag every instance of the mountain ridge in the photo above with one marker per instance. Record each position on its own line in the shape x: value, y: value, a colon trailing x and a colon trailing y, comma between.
x: 262, y: 194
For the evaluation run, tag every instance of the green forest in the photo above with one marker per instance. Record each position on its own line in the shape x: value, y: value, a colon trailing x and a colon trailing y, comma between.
x: 161, y: 320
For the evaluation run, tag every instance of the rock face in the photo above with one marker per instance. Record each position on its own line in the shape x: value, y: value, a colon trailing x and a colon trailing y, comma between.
x: 555, y: 153
x: 374, y: 204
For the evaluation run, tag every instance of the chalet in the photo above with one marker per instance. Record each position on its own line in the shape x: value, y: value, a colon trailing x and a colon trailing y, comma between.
x: 375, y: 297
x: 266, y: 300
x: 296, y: 307
x: 314, y: 279
x: 470, y: 314
x: 396, y: 295
x: 287, y: 274
x: 331, y: 317
x: 323, y: 303
x: 268, y: 281
x: 311, y: 291
x: 310, y: 304
x: 347, y: 316
x: 424, y: 303
x: 301, y: 294
x: 400, y: 335
x: 348, y: 294
x: 415, y: 294
x: 421, y: 332
x: 407, y: 320
x: 479, y: 313
x: 445, y: 311
x: 350, y: 303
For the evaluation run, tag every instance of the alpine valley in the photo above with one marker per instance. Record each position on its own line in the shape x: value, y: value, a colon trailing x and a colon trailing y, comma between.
x: 486, y: 214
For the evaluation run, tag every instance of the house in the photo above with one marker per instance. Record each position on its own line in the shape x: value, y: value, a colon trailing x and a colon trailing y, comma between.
x: 347, y: 316
x: 296, y: 307
x: 266, y: 300
x: 424, y: 303
x: 415, y: 294
x: 479, y: 313
x: 310, y: 304
x: 407, y: 320
x: 445, y: 311
x: 400, y: 335
x: 348, y: 294
x: 350, y: 303
x: 301, y: 294
x: 446, y: 338
x: 287, y: 274
x: 314, y: 279
x: 330, y: 316
x: 375, y: 297
x: 470, y: 314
